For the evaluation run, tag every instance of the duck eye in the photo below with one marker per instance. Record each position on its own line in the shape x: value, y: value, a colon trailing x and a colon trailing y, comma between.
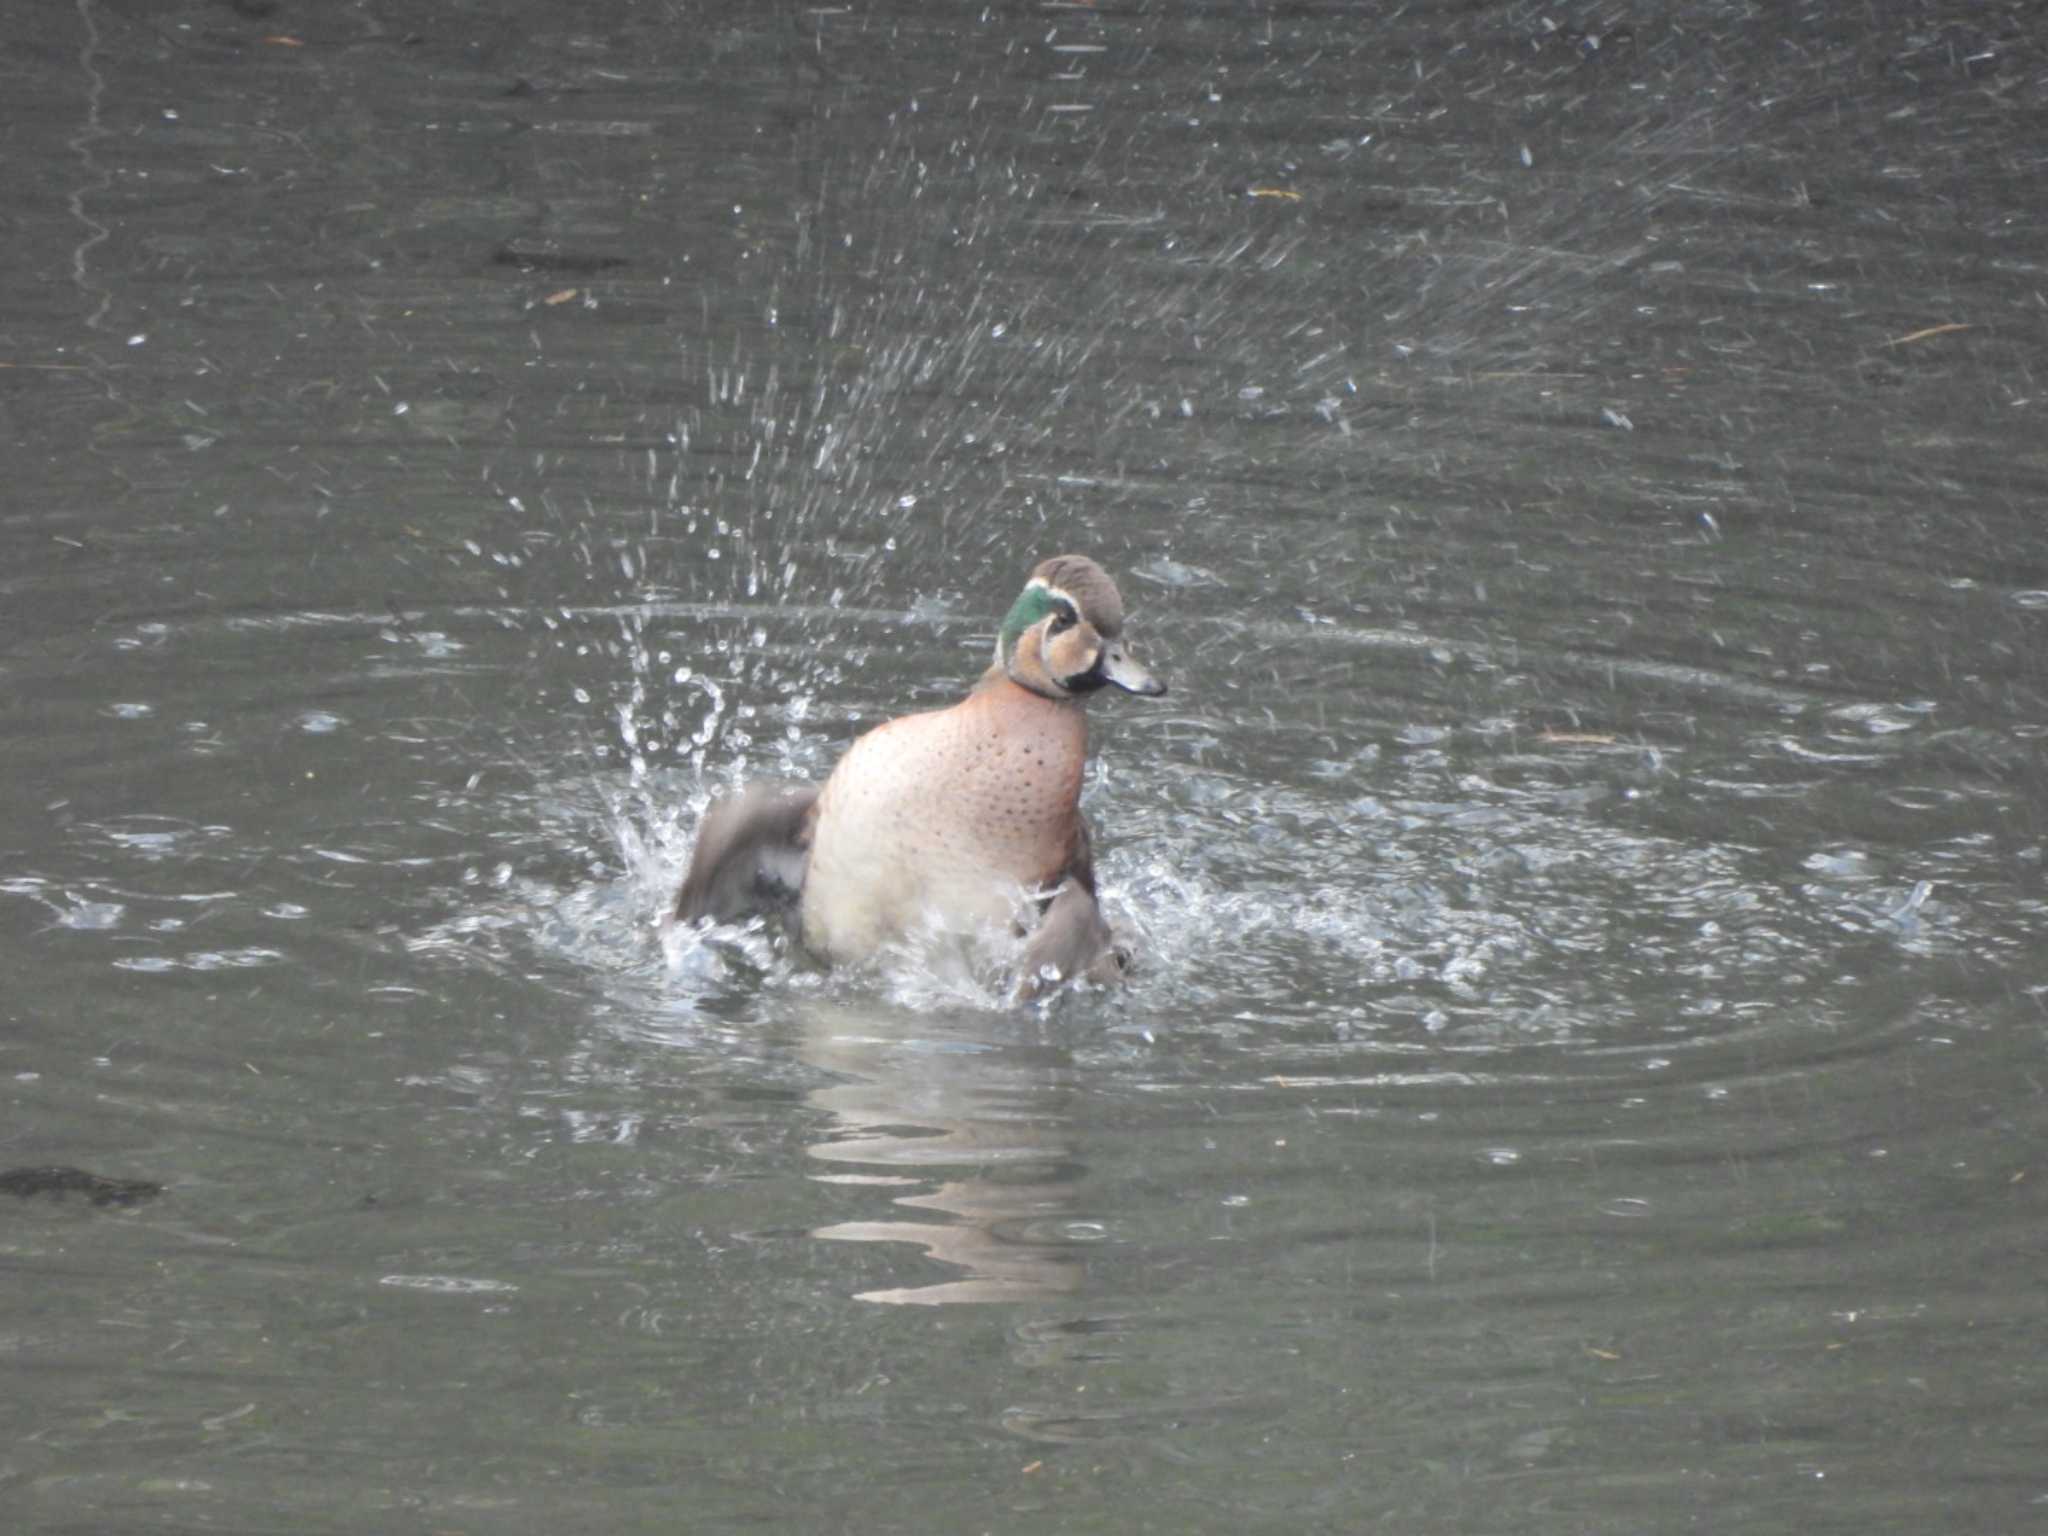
x: 1064, y: 618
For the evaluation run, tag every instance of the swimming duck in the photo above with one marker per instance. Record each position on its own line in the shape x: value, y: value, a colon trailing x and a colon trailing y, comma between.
x: 955, y: 812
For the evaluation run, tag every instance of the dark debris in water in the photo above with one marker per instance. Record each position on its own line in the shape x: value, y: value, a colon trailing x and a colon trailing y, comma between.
x: 58, y: 1181
x: 547, y: 258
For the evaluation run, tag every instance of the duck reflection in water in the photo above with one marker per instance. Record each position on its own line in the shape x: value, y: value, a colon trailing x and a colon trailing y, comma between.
x: 924, y: 1096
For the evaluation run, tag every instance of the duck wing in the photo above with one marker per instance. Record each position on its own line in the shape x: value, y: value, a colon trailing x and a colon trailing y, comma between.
x: 752, y: 847
x: 1073, y: 938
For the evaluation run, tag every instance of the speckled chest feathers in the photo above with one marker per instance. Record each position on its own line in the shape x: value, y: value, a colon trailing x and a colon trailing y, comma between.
x: 947, y: 813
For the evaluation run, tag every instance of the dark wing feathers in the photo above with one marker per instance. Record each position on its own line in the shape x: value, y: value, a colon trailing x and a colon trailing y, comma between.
x: 750, y: 855
x: 1072, y: 938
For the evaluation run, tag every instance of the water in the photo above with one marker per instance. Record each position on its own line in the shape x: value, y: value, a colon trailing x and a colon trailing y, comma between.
x: 1578, y: 474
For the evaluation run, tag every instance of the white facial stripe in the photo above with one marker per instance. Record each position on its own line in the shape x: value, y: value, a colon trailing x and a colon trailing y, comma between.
x: 1054, y: 592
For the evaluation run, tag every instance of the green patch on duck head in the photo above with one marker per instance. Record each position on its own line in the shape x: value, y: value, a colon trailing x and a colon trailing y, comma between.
x: 1033, y: 603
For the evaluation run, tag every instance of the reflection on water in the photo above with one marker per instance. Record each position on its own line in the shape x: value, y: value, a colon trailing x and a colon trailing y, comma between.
x: 955, y: 1108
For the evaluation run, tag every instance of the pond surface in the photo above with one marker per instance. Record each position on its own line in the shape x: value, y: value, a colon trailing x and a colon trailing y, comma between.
x: 1581, y: 471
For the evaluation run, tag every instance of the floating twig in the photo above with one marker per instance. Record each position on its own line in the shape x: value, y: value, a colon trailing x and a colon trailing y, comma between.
x: 1932, y: 330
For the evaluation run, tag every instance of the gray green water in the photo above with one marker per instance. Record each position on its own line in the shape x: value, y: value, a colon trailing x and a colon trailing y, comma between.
x: 1581, y: 476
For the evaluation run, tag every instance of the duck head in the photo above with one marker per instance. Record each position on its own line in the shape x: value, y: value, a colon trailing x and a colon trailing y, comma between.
x: 1063, y: 637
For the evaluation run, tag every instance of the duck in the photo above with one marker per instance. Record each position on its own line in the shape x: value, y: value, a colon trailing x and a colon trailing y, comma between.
x: 969, y: 815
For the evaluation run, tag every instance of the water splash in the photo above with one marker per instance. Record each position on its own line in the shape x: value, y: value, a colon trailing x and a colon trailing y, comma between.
x: 99, y: 178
